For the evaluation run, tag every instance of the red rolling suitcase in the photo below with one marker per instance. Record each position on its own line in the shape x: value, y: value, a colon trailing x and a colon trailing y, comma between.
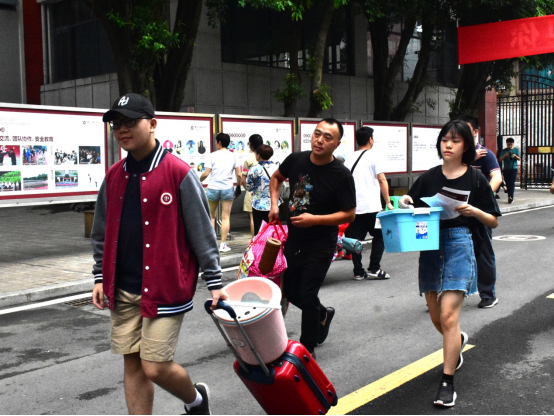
x: 294, y: 384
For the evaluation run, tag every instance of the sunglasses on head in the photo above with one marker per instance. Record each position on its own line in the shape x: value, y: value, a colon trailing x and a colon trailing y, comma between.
x: 128, y: 122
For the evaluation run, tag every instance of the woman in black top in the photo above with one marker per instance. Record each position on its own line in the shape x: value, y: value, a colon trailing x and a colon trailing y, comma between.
x: 449, y: 274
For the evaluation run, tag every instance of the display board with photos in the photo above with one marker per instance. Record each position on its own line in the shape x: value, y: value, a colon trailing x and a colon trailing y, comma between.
x: 46, y: 153
x: 424, y: 147
x: 189, y: 137
x: 276, y: 132
x: 391, y: 142
x: 348, y: 142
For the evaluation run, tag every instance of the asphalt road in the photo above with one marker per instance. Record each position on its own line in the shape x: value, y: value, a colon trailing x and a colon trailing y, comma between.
x: 56, y: 359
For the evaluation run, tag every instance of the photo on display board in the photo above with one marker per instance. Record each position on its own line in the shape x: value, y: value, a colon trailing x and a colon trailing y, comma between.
x: 34, y: 155
x: 168, y: 145
x: 285, y: 145
x: 201, y: 147
x: 191, y: 147
x: 91, y: 177
x: 240, y: 147
x: 179, y: 148
x: 65, y: 156
x: 66, y: 178
x: 38, y: 182
x: 10, y: 181
x: 10, y: 155
x: 231, y: 146
x: 201, y: 167
x: 89, y: 155
x: 276, y: 145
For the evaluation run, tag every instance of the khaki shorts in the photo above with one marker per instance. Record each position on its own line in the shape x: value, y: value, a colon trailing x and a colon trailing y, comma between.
x: 247, y: 204
x: 155, y: 338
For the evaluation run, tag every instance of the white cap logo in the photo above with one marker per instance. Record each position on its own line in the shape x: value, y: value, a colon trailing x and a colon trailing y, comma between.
x: 124, y: 100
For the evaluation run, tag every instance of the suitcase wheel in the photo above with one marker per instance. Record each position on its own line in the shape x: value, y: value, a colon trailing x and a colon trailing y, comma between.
x: 306, y: 358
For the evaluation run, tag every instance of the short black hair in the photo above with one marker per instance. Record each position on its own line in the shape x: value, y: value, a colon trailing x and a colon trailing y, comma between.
x: 224, y: 139
x: 264, y: 151
x: 254, y: 141
x: 460, y: 128
x: 510, y: 140
x: 333, y: 121
x: 363, y: 134
x: 468, y: 118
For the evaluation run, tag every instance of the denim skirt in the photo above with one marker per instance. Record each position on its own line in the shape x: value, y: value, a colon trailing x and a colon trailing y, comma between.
x: 452, y: 266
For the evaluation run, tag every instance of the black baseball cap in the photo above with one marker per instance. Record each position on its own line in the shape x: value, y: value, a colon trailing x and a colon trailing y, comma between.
x: 130, y: 105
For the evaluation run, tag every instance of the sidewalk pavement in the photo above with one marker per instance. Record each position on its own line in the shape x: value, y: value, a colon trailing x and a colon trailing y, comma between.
x: 45, y: 254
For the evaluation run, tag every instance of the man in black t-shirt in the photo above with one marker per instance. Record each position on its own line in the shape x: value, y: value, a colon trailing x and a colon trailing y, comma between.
x: 322, y: 197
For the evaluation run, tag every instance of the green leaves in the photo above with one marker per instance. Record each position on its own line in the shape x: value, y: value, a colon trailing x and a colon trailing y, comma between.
x: 291, y: 92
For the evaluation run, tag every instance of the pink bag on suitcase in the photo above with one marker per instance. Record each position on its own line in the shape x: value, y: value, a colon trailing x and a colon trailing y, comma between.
x: 249, y: 265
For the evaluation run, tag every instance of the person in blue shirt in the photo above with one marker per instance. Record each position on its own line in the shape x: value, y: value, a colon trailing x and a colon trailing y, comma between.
x: 486, y: 162
x: 509, y: 156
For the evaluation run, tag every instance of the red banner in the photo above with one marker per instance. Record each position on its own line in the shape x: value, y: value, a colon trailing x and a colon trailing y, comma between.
x: 503, y: 40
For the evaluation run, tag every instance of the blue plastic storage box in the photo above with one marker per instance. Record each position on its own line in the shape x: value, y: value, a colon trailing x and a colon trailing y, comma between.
x: 410, y: 229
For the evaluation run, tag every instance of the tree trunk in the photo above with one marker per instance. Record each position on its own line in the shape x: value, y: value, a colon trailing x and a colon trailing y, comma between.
x: 471, y: 89
x: 385, y: 73
x: 294, y: 47
x: 319, y: 54
x: 417, y: 83
x: 164, y: 82
x: 171, y: 87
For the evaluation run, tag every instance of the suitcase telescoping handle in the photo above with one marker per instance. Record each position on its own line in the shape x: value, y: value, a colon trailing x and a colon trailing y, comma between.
x: 229, y: 309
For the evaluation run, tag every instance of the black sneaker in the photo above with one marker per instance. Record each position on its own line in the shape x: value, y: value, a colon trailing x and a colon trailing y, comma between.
x: 362, y: 276
x: 465, y: 338
x: 510, y: 200
x: 204, y: 407
x: 488, y: 303
x: 324, y: 330
x: 446, y: 396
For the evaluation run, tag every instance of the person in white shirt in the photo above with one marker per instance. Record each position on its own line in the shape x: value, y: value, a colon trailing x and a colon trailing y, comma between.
x: 367, y: 168
x: 220, y: 166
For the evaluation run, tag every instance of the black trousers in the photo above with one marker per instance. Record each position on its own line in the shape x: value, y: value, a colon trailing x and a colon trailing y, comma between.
x: 259, y: 216
x: 363, y: 224
x: 510, y: 176
x: 486, y: 263
x: 306, y: 271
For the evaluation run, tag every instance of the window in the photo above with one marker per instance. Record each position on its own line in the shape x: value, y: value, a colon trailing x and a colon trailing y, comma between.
x: 443, y: 63
x: 267, y: 38
x: 80, y: 46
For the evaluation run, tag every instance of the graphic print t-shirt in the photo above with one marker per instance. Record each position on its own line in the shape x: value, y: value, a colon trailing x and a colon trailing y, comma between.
x: 317, y: 190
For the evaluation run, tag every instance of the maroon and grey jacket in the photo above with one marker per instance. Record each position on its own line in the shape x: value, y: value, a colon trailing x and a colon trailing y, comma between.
x: 178, y: 235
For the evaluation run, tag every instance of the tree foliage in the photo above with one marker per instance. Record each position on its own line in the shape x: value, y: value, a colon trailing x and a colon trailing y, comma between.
x: 151, y: 56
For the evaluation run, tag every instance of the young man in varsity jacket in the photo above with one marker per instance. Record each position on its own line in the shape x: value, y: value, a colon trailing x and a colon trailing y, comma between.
x: 151, y: 234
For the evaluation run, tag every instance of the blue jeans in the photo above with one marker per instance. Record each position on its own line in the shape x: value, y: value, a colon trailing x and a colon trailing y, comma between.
x: 452, y: 266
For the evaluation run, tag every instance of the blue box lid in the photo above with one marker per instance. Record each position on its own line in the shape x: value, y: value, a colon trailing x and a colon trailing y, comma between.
x: 411, y: 211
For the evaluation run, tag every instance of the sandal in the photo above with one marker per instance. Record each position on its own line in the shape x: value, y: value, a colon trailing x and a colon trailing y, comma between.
x: 379, y: 274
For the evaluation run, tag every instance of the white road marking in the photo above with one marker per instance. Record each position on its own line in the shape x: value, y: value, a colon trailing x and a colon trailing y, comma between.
x: 526, y: 210
x: 47, y: 303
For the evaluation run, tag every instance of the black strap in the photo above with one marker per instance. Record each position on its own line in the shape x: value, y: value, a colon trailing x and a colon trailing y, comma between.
x: 355, y: 164
x: 263, y: 167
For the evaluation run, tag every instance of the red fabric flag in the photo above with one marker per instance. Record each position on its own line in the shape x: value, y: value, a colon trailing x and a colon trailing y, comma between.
x: 503, y: 40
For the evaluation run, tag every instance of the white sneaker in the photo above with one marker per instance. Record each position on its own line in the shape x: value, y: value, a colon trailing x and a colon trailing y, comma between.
x: 224, y: 248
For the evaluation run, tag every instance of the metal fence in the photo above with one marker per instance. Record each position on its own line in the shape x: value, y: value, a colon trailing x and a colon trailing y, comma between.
x: 529, y: 117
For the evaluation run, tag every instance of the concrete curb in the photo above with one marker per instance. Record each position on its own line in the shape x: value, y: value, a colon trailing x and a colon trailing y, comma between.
x: 523, y: 207
x: 47, y: 292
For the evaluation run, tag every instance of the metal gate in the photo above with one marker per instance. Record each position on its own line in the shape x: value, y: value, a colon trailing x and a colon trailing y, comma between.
x: 531, y: 117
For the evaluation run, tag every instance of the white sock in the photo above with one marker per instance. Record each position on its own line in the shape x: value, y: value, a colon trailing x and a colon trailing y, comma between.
x: 196, y: 402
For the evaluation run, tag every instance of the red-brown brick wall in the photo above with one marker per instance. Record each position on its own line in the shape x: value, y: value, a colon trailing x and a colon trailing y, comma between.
x: 487, y: 120
x: 34, y: 75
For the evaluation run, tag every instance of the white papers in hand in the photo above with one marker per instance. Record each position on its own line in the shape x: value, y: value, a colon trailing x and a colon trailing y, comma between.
x: 448, y: 199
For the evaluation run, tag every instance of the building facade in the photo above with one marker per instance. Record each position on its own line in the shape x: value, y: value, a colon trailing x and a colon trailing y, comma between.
x: 215, y: 83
